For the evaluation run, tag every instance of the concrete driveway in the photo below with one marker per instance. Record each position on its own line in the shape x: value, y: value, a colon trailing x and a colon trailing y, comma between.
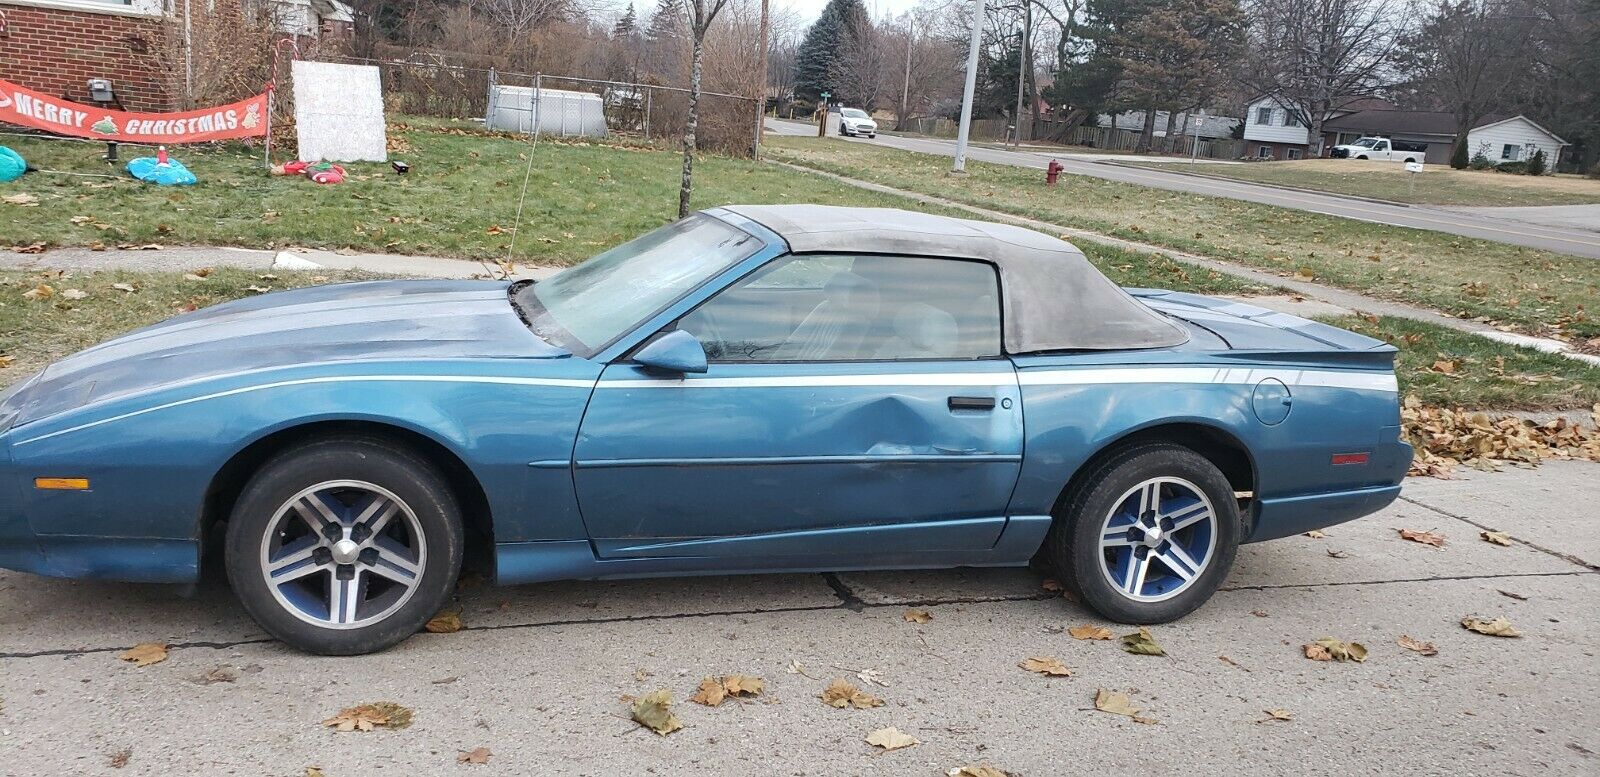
x: 1545, y: 236
x: 538, y: 675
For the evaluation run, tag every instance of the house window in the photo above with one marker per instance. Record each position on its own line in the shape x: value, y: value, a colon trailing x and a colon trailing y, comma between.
x: 1290, y: 120
x: 1264, y: 152
x: 1263, y: 115
x: 1510, y: 152
x: 1294, y: 153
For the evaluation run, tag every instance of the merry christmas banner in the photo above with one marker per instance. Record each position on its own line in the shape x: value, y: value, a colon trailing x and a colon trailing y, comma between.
x: 243, y: 119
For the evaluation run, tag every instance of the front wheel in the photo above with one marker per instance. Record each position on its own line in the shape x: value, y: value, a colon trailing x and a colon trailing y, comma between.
x: 344, y: 546
x: 1149, y: 535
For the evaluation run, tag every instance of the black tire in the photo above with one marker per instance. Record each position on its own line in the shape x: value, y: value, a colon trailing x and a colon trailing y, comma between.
x: 417, y: 484
x: 1073, y: 544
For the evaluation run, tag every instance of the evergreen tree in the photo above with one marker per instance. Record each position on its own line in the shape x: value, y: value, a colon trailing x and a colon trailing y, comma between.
x: 623, y: 63
x: 665, y: 39
x: 817, y: 63
x: 626, y: 27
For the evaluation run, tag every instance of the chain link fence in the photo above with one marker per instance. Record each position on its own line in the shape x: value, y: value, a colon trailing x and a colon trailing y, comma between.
x: 430, y: 84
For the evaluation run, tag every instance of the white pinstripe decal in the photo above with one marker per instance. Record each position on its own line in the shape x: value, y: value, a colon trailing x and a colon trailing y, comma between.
x: 1365, y: 381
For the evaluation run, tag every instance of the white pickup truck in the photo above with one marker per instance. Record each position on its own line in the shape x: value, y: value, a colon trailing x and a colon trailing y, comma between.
x: 1381, y: 149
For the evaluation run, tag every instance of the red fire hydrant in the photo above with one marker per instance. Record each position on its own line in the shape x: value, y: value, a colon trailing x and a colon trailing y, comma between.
x: 1051, y: 172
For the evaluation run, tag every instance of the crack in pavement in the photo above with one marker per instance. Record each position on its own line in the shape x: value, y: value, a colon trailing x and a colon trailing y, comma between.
x: 1567, y: 557
x: 848, y: 600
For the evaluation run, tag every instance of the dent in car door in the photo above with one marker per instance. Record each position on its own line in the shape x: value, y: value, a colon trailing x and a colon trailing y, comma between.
x: 800, y: 459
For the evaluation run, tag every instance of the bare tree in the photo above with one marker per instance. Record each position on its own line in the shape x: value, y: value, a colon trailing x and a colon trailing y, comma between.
x: 703, y: 13
x: 863, y: 64
x: 520, y: 16
x: 1317, y: 57
x: 1467, y: 56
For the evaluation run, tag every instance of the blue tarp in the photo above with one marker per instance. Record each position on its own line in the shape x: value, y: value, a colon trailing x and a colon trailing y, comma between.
x: 11, y: 165
x: 173, y: 173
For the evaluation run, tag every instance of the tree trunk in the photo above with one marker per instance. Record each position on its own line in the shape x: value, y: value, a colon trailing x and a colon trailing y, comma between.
x: 1149, y: 131
x: 1172, y: 122
x: 1314, y: 142
x: 687, y: 186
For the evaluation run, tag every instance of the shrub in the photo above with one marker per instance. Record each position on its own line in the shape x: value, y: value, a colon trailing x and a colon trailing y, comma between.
x: 1459, y: 158
x: 1536, y: 163
x: 1481, y: 161
x: 1594, y: 172
x: 1514, y: 168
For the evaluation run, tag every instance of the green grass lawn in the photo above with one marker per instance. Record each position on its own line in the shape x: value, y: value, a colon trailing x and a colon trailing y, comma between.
x: 34, y: 332
x: 1537, y: 292
x: 1436, y: 185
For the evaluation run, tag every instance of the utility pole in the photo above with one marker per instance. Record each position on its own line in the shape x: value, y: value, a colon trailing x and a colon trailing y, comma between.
x: 964, y: 130
x: 761, y: 85
x: 905, y: 91
x: 1024, y: 46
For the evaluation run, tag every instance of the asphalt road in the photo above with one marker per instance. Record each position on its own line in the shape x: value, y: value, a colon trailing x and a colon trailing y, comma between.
x: 1478, y: 224
x: 537, y: 676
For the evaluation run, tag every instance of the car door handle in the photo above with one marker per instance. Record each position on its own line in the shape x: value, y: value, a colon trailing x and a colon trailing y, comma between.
x: 972, y: 403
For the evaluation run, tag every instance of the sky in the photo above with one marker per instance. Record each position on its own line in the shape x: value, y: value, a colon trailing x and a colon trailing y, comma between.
x: 810, y: 9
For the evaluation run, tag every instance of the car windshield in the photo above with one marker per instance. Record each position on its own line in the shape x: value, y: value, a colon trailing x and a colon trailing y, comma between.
x: 587, y: 307
x: 1366, y: 142
x: 855, y: 113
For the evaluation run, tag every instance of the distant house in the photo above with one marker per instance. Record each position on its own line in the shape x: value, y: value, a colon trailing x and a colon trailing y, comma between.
x: 57, y: 46
x: 1270, y: 132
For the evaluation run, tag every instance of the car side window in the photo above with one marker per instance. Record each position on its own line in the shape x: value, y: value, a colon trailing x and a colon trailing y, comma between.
x: 853, y: 308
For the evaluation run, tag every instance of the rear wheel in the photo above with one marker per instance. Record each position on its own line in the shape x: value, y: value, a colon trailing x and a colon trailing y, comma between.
x: 344, y: 546
x: 1148, y: 536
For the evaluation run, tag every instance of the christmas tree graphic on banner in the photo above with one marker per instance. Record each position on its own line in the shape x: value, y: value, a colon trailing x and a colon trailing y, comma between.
x: 105, y: 126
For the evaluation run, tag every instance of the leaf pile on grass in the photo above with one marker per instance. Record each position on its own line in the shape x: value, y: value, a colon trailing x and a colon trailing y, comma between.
x: 1448, y: 438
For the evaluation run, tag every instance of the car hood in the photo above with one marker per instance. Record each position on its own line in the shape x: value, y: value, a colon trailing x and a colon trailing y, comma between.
x: 342, y: 322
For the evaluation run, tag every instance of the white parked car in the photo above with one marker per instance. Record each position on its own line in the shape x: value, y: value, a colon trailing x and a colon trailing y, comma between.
x: 1382, y: 149
x: 854, y: 121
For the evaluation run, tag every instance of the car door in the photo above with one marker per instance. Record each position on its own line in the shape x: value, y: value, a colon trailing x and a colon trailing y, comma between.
x: 1381, y: 150
x: 851, y: 405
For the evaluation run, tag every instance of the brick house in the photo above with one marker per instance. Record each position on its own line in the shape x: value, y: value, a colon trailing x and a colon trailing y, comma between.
x: 57, y: 46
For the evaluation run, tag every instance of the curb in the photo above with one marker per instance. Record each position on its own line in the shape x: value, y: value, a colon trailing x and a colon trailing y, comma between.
x: 1279, y: 186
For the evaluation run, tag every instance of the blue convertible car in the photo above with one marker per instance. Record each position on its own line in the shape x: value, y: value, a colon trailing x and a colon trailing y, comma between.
x: 750, y: 389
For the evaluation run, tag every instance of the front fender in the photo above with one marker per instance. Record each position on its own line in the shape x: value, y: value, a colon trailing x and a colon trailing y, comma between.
x: 151, y: 458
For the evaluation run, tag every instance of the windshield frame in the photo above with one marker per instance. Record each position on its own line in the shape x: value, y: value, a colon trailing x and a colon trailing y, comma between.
x: 859, y: 114
x: 1365, y: 142
x: 542, y: 322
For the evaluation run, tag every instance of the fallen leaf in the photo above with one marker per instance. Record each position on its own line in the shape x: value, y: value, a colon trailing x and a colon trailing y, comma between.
x: 447, y: 622
x: 1259, y: 613
x: 6, y: 360
x: 31, y: 248
x: 42, y: 291
x: 1445, y: 366
x: 841, y: 694
x: 743, y: 685
x: 1276, y: 714
x: 1232, y: 663
x: 1330, y: 649
x: 254, y: 289
x: 714, y: 690
x: 653, y: 711
x: 1337, y: 553
x: 1424, y: 537
x: 1508, y: 594
x: 1315, y: 534
x: 1496, y: 538
x: 127, y: 287
x: 366, y: 717
x: 145, y: 653
x: 1498, y: 627
x: 917, y: 616
x: 189, y: 276
x: 494, y: 229
x: 1141, y: 643
x: 477, y: 755
x: 1046, y: 665
x: 1417, y: 645
x: 711, y: 692
x: 891, y: 738
x: 218, y: 674
x: 80, y: 294
x: 1089, y: 632
x: 1051, y: 585
x: 120, y: 758
x: 1118, y: 703
x: 24, y: 200
x: 871, y: 676
x: 977, y: 771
